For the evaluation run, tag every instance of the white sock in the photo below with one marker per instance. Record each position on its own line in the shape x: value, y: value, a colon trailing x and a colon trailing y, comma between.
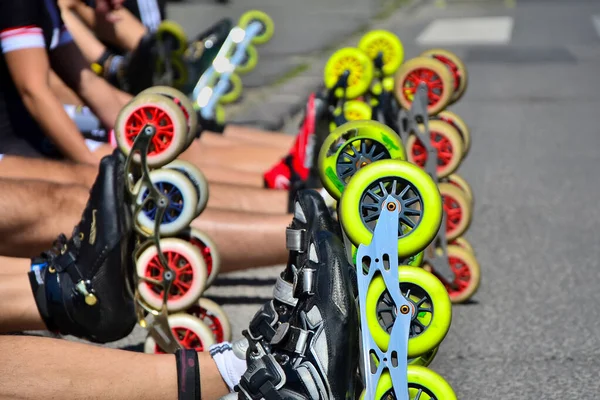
x: 231, y: 366
x: 329, y: 201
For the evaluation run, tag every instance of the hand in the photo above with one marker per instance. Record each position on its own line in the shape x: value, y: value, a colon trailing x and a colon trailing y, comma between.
x: 106, y: 8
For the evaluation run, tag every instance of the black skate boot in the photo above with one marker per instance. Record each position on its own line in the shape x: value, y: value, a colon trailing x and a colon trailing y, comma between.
x: 314, y: 355
x: 137, y: 71
x: 80, y: 285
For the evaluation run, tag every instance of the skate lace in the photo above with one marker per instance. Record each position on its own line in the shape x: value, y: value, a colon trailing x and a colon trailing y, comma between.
x: 57, y: 247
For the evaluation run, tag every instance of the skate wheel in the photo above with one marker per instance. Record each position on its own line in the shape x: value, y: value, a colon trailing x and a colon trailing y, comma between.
x: 462, y: 184
x: 197, y: 178
x: 353, y: 146
x: 268, y: 27
x: 457, y: 208
x: 458, y: 123
x: 447, y: 142
x: 183, y: 102
x: 455, y: 66
x: 429, y: 302
x: 414, y: 261
x: 172, y: 33
x: 211, y: 314
x: 179, y: 212
x: 180, y: 71
x: 220, y: 114
x: 423, y: 384
x: 356, y: 110
x: 189, y: 269
x: 164, y: 116
x: 234, y: 89
x: 463, y: 244
x: 432, y: 73
x: 381, y: 41
x: 467, y: 272
x: 357, y: 63
x: 208, y: 250
x: 420, y: 212
x: 190, y: 332
x: 249, y: 62
x: 425, y: 359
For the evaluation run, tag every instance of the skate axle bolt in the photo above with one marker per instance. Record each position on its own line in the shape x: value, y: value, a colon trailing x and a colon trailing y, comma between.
x: 168, y: 276
x: 149, y: 130
x: 404, y: 309
x: 391, y: 206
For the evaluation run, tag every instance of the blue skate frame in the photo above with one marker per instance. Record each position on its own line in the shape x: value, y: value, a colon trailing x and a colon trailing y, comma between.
x: 384, y: 246
x: 207, y: 98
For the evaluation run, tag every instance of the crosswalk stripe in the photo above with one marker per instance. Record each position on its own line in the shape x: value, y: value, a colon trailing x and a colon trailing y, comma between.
x: 468, y: 31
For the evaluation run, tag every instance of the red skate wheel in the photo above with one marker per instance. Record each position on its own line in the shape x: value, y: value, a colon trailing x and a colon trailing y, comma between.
x: 467, y: 272
x: 189, y: 331
x: 455, y: 66
x: 463, y: 244
x: 458, y: 124
x: 214, y: 317
x: 462, y: 184
x: 457, y: 209
x: 207, y: 248
x: 448, y: 144
x: 189, y: 269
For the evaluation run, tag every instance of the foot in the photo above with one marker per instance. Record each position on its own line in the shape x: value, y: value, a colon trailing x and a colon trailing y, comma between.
x: 80, y: 285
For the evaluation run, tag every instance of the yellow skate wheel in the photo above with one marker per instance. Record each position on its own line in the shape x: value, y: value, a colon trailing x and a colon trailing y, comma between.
x: 461, y: 183
x: 197, y: 178
x: 457, y: 208
x: 181, y: 207
x: 214, y: 317
x: 420, y: 204
x: 388, y: 84
x: 413, y: 261
x: 458, y: 123
x: 433, y: 74
x: 385, y: 42
x: 357, y: 63
x: 250, y: 61
x: 455, y: 66
x: 180, y: 71
x: 161, y: 114
x: 463, y: 244
x: 468, y: 275
x: 268, y: 27
x: 189, y: 331
x: 234, y: 90
x: 183, y: 102
x: 423, y: 384
x: 220, y: 114
x: 430, y: 305
x: 353, y: 146
x: 189, y: 275
x: 425, y: 359
x: 207, y: 248
x: 447, y: 142
x: 356, y: 110
x: 171, y: 32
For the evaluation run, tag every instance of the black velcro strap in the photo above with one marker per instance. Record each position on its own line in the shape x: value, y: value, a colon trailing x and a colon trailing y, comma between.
x: 188, y: 375
x: 103, y: 58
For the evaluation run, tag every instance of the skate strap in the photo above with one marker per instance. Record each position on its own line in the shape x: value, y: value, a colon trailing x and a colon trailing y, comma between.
x: 295, y: 239
x: 188, y: 375
x: 291, y: 338
x: 284, y: 292
x: 263, y: 378
x: 261, y: 325
x: 305, y: 281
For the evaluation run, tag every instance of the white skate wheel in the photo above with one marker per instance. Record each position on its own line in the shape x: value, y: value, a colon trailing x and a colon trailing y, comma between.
x: 161, y: 113
x: 180, y: 211
x: 190, y: 274
x: 214, y: 317
x: 197, y: 178
x: 189, y: 331
x: 209, y: 251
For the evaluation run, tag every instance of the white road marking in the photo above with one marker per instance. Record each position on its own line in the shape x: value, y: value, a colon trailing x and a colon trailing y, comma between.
x: 596, y: 22
x: 460, y: 31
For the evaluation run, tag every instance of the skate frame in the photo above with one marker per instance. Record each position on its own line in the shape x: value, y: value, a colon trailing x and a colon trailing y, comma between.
x: 156, y: 321
x: 380, y: 256
x: 409, y: 124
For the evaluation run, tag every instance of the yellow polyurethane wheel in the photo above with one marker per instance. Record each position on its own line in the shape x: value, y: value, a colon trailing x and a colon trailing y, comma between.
x: 357, y: 110
x: 464, y: 244
x: 434, y: 74
x: 175, y: 31
x: 268, y: 28
x: 448, y: 143
x: 468, y: 274
x: 250, y: 61
x: 460, y: 126
x: 415, y: 188
x: 456, y: 67
x: 431, y: 310
x: 388, y: 83
x: 360, y: 67
x: 235, y: 90
x: 425, y: 359
x: 353, y: 146
x: 461, y: 183
x: 180, y: 71
x: 220, y: 114
x: 388, y: 44
x: 457, y: 208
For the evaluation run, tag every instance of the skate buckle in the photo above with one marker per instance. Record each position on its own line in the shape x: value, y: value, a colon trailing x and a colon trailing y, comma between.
x: 84, y: 287
x: 295, y: 239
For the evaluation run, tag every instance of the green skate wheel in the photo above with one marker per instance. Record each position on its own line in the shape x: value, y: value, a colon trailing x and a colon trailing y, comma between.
x: 356, y: 110
x: 357, y: 63
x: 425, y: 359
x: 164, y: 116
x: 207, y: 248
x: 180, y: 71
x: 250, y: 61
x: 183, y: 102
x: 423, y: 384
x: 190, y: 275
x: 381, y: 41
x: 220, y: 114
x: 188, y: 330
x: 352, y: 147
x: 420, y: 210
x: 172, y: 33
x: 234, y: 90
x: 197, y: 178
x: 430, y: 305
x: 268, y: 27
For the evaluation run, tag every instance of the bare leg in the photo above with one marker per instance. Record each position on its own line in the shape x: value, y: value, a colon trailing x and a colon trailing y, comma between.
x: 259, y: 137
x: 235, y: 198
x: 48, y: 170
x: 19, y: 311
x: 45, y: 369
x: 12, y: 265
